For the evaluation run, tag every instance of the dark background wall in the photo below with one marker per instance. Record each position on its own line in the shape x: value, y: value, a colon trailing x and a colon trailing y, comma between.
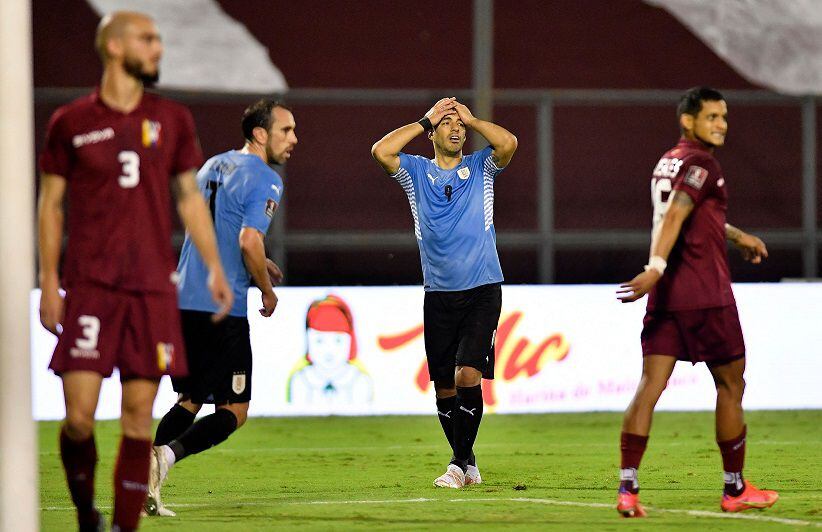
x: 603, y: 154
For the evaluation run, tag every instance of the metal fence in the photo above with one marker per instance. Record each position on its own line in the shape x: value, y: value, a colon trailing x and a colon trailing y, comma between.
x: 546, y: 239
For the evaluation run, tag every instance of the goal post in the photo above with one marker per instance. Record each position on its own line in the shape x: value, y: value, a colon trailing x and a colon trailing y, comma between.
x: 19, y: 506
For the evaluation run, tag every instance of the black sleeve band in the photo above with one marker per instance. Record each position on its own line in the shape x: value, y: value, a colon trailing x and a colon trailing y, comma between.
x: 426, y: 124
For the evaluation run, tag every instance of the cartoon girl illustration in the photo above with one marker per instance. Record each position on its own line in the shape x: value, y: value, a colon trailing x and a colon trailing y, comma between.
x: 330, y: 372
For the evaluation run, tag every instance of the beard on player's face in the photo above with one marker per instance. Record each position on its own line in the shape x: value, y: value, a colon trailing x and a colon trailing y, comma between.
x: 272, y: 157
x: 136, y: 69
x: 447, y: 147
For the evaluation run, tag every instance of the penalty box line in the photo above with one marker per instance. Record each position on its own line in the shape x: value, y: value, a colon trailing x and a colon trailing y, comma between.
x: 550, y: 502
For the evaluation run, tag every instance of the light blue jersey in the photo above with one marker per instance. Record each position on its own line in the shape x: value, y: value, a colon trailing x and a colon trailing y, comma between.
x: 453, y: 213
x: 241, y: 191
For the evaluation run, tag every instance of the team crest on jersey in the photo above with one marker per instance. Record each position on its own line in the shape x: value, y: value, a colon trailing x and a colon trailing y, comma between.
x: 696, y: 176
x: 238, y: 383
x: 165, y: 355
x: 151, y: 133
x: 464, y: 173
x: 270, y: 207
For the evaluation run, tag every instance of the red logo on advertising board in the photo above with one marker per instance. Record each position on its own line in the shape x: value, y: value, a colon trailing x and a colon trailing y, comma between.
x: 515, y: 357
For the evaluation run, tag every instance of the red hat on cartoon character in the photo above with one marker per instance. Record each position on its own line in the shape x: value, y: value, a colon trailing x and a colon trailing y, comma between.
x: 332, y: 314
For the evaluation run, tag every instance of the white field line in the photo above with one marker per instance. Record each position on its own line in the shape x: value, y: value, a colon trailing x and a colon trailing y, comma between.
x: 550, y: 502
x: 355, y: 448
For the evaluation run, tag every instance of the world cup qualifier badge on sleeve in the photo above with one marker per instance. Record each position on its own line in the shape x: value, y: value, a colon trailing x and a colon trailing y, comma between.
x: 270, y: 207
x: 696, y: 176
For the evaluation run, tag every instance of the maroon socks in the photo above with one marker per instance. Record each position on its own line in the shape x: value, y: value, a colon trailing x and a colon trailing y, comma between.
x: 733, y: 460
x: 632, y: 447
x: 130, y: 482
x: 79, y: 461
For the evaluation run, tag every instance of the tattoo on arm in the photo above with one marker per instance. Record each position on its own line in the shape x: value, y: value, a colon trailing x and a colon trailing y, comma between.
x: 732, y: 233
x: 683, y: 200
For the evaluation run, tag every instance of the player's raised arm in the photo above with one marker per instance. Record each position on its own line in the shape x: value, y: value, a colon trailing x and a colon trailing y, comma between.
x: 386, y: 151
x: 752, y: 247
x: 195, y: 216
x: 501, y: 140
x: 50, y: 239
x: 253, y: 249
x: 664, y: 237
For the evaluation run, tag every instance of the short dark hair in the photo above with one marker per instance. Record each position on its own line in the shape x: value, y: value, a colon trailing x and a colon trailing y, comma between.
x: 691, y: 102
x: 258, y: 114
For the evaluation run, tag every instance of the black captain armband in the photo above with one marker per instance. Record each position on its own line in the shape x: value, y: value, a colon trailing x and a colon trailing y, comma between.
x: 426, y: 124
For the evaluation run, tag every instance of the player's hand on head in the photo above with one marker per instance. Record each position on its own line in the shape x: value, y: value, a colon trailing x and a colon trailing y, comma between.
x: 221, y: 293
x: 440, y: 109
x: 51, y: 310
x: 465, y: 114
x: 638, y: 286
x: 269, y: 304
x: 274, y: 272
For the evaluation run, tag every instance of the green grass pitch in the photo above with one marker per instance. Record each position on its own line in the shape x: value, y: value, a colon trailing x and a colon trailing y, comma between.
x: 540, y: 472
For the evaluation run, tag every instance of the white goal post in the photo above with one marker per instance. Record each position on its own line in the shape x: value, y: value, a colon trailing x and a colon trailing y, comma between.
x: 19, y: 507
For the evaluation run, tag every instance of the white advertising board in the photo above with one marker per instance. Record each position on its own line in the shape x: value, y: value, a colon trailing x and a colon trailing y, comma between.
x: 558, y: 349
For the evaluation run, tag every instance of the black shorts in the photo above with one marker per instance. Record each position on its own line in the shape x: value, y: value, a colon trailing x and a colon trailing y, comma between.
x: 460, y: 328
x: 219, y: 359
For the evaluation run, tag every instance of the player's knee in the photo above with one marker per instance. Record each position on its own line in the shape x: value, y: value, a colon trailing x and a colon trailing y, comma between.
x: 734, y: 389
x: 79, y: 426
x: 468, y: 377
x: 185, y: 402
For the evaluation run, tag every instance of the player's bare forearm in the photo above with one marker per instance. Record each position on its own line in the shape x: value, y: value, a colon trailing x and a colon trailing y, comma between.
x: 680, y: 206
x: 501, y: 140
x: 386, y: 151
x: 50, y: 239
x: 733, y: 234
x: 665, y: 236
x: 50, y: 228
x: 752, y: 248
x: 196, y: 217
x: 253, y: 249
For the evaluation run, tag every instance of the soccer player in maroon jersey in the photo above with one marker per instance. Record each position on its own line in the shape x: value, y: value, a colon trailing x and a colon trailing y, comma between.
x: 691, y: 312
x: 116, y: 154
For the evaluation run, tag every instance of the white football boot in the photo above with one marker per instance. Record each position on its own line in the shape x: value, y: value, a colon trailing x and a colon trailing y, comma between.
x: 157, y: 473
x: 452, y: 478
x: 472, y: 475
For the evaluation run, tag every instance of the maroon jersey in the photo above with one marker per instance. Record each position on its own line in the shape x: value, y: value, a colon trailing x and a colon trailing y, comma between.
x: 697, y: 275
x: 118, y: 168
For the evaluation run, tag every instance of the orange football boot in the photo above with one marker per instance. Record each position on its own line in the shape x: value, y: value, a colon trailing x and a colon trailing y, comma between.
x: 628, y: 504
x: 751, y: 497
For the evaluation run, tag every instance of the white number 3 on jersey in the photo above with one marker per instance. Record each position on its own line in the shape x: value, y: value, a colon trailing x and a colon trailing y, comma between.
x: 131, y: 169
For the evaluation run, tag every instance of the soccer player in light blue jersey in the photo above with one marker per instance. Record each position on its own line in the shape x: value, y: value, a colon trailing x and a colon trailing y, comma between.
x: 452, y: 204
x: 243, y: 192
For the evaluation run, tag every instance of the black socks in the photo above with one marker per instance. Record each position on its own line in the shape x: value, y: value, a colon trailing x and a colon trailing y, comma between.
x: 467, y: 416
x: 205, y: 434
x: 174, y: 423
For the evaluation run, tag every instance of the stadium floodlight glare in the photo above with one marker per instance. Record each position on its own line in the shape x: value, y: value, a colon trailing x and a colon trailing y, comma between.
x: 18, y: 443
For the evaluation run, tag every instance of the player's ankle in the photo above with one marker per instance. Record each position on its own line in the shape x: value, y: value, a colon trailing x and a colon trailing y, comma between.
x: 734, y: 484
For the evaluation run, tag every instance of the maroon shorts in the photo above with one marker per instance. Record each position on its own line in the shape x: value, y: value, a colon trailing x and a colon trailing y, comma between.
x: 710, y: 335
x: 137, y: 332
